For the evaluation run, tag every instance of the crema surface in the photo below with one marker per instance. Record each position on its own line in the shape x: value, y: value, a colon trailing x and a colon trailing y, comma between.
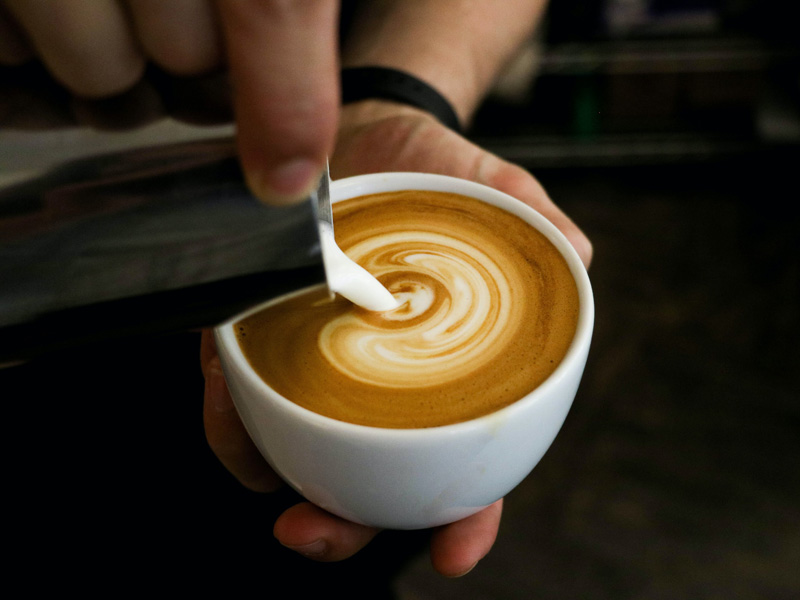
x: 488, y: 309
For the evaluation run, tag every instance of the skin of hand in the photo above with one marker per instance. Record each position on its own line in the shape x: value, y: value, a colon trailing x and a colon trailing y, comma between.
x: 282, y: 57
x: 379, y: 136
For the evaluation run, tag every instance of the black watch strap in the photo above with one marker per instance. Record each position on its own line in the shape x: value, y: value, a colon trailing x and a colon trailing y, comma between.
x: 363, y: 83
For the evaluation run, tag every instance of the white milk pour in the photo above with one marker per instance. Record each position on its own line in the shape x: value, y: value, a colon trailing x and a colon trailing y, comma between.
x: 345, y: 276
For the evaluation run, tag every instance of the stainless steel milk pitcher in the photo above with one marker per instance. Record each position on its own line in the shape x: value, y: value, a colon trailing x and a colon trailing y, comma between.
x: 158, y: 237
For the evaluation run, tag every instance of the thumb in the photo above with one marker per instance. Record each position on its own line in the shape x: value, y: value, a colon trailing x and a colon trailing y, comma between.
x: 284, y: 67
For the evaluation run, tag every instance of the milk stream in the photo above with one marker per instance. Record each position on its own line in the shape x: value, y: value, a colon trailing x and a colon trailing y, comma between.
x: 349, y: 279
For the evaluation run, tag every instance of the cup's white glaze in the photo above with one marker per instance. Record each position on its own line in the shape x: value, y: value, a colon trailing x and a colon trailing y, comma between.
x: 412, y: 478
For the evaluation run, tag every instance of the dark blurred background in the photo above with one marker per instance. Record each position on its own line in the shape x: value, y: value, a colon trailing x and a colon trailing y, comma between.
x: 669, y: 131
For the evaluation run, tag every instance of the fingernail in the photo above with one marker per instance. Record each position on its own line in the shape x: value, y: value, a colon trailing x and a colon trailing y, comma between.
x: 315, y: 549
x: 218, y: 391
x: 287, y: 183
x: 465, y: 572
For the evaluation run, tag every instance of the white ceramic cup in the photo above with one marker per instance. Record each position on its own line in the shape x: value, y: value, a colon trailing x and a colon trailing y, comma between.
x: 412, y: 478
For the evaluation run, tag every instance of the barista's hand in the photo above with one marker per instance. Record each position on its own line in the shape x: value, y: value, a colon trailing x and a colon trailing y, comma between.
x: 383, y: 136
x: 380, y: 136
x: 282, y: 57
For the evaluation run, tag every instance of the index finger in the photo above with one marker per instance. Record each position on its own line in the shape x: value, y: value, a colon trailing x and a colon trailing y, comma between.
x: 283, y: 61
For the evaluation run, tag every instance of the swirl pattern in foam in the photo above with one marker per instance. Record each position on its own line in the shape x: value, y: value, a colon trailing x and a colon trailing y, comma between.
x: 456, y: 305
x: 488, y: 310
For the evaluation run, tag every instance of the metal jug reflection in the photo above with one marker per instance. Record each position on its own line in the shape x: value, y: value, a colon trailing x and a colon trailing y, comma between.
x: 151, y: 239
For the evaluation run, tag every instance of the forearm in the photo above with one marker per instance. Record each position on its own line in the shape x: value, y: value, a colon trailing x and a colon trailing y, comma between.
x: 457, y: 46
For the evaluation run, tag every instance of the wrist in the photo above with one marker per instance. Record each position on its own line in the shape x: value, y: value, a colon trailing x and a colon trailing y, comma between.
x: 459, y: 94
x: 373, y: 134
x: 366, y: 112
x: 456, y: 46
x: 396, y: 85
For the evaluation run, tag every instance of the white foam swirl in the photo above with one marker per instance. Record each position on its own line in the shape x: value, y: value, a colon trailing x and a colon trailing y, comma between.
x: 455, y: 304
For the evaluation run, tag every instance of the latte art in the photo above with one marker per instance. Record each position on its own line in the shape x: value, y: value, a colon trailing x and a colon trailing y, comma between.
x: 488, y: 309
x: 456, y: 306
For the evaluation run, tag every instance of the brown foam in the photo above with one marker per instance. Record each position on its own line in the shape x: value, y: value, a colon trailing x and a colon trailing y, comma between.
x: 491, y: 311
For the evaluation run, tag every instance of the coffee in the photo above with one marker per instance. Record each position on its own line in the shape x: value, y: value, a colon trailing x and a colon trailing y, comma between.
x: 488, y: 310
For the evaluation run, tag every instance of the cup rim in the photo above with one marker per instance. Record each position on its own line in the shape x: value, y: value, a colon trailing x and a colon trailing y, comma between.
x: 360, y: 185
